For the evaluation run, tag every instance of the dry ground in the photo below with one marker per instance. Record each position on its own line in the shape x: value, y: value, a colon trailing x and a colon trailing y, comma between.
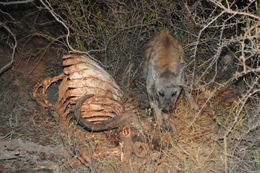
x: 31, y: 140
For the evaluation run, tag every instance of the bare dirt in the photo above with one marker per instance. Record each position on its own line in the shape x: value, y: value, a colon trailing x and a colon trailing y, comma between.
x: 29, y: 135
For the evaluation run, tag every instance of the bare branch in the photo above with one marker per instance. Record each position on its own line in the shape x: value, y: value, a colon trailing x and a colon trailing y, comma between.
x: 242, y: 103
x: 48, y: 6
x: 196, y: 46
x: 13, y: 47
x: 16, y: 2
x: 229, y: 10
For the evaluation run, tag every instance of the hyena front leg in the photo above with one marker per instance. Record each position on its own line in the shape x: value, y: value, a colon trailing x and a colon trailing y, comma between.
x: 153, y: 101
x: 162, y: 119
x: 168, y: 125
x: 156, y: 112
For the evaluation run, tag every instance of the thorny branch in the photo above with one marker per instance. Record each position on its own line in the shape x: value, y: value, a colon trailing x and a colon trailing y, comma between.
x: 196, y: 46
x: 251, y: 34
x: 242, y: 103
x: 229, y: 10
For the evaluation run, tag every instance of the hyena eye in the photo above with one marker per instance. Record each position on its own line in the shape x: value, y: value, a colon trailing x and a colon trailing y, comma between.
x: 174, y: 93
x: 161, y: 94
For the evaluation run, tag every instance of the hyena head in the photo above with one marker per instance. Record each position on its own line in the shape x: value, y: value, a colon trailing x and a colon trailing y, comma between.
x: 168, y: 87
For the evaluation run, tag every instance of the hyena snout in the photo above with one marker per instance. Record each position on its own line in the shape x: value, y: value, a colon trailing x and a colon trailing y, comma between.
x: 168, y: 87
x: 167, y: 109
x: 166, y: 105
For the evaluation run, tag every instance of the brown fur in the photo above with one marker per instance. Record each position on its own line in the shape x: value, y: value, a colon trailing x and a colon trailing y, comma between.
x: 164, y: 52
x: 164, y: 71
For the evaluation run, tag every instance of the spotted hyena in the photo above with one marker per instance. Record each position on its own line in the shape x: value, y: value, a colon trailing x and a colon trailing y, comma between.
x: 165, y: 74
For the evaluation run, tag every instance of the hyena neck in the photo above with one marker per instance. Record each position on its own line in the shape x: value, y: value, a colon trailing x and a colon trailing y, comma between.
x: 171, y: 79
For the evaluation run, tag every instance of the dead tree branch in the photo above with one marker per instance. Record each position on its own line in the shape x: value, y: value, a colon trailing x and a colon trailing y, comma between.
x: 13, y: 47
x: 16, y: 2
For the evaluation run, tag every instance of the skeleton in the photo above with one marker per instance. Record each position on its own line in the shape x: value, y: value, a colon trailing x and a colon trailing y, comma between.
x: 90, y: 96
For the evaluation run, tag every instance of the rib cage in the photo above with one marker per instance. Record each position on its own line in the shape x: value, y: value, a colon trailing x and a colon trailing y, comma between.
x: 83, y: 76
